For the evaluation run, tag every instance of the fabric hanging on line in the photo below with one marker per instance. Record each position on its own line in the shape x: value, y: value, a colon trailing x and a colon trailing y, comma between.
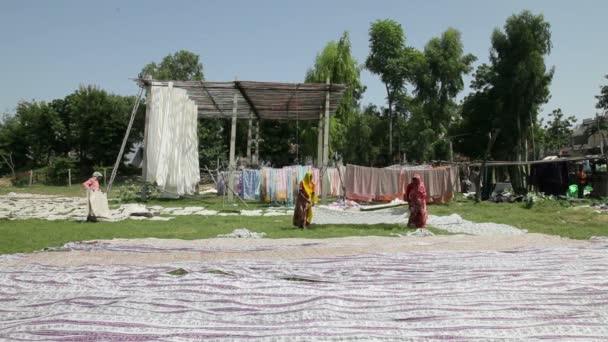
x: 251, y: 184
x: 336, y: 179
x: 376, y: 184
x: 360, y: 183
x: 172, y: 141
x: 268, y: 184
x: 390, y: 184
x: 551, y: 178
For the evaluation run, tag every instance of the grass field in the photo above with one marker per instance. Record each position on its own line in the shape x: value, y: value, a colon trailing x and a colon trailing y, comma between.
x: 548, y: 217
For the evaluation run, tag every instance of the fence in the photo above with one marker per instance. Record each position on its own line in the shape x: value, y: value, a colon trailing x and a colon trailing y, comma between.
x: 68, y: 178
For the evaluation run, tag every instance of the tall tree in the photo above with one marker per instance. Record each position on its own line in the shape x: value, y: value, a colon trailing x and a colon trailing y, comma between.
x: 13, y: 144
x: 522, y: 82
x: 337, y: 64
x: 98, y: 121
x: 438, y: 80
x: 602, y: 98
x: 182, y: 65
x: 511, y: 90
x: 393, y: 61
x: 40, y: 126
x: 558, y: 130
x: 601, y: 127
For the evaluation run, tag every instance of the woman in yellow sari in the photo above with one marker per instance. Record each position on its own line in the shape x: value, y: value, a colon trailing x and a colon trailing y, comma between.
x: 307, y: 197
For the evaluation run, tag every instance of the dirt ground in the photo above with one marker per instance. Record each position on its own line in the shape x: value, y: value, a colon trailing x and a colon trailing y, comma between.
x: 159, y: 251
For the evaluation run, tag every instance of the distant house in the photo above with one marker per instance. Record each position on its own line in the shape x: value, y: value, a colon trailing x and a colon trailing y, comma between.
x: 590, y: 137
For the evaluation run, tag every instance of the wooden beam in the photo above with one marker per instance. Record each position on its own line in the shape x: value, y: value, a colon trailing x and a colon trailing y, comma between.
x: 320, y: 140
x: 325, y: 141
x: 257, y: 142
x: 144, y: 162
x: 249, y: 137
x: 211, y: 98
x: 232, y: 161
x: 246, y: 97
x: 291, y: 98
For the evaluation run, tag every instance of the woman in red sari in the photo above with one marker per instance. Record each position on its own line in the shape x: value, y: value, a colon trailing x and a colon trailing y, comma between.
x: 415, y: 195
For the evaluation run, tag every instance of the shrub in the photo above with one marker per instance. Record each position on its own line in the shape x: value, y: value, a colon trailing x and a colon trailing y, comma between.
x: 58, y: 170
x: 131, y: 192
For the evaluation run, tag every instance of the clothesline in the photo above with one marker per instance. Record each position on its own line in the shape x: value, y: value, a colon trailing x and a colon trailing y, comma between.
x: 386, y: 184
x: 279, y: 185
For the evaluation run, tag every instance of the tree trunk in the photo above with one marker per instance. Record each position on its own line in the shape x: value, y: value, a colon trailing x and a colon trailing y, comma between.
x: 491, y: 140
x: 390, y: 122
x: 534, y: 155
x: 390, y: 130
x: 518, y: 179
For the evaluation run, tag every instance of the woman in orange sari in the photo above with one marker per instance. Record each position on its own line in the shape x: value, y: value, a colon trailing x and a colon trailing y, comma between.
x: 415, y: 195
x: 307, y: 197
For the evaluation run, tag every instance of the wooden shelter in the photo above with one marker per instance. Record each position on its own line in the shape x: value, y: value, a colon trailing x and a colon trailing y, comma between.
x: 256, y: 101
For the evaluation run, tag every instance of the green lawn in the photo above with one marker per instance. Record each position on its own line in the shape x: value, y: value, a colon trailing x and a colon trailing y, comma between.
x: 549, y: 217
x: 31, y: 235
x: 553, y: 217
x: 74, y: 190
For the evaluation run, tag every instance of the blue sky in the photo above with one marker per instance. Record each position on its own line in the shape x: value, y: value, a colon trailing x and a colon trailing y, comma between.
x: 48, y: 48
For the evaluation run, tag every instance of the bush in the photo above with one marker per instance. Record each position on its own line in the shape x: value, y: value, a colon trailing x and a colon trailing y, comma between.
x: 57, y: 173
x: 131, y: 192
x: 20, y: 182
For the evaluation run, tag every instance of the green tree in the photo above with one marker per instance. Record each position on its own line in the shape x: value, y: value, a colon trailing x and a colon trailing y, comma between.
x: 602, y: 98
x: 438, y: 80
x: 558, y: 130
x: 393, y: 61
x: 510, y: 91
x: 40, y: 127
x: 522, y: 82
x: 337, y: 64
x: 182, y: 66
x: 13, y: 145
x: 98, y: 121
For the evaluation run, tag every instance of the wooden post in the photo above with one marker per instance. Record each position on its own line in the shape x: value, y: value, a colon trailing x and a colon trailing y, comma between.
x: 69, y: 177
x: 451, y: 151
x: 124, y: 140
x: 325, y: 142
x: 144, y: 162
x: 249, y: 136
x: 31, y: 177
x: 320, y: 140
x: 257, y: 142
x: 482, y: 179
x: 232, y: 161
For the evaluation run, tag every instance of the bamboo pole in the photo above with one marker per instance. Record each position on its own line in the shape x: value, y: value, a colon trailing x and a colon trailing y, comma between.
x: 232, y: 161
x: 325, y: 142
x: 257, y: 142
x: 124, y: 141
x: 320, y: 140
x: 249, y: 136
x: 31, y: 177
x: 69, y: 177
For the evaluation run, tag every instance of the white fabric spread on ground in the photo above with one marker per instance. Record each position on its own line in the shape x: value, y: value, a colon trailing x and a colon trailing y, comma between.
x: 172, y: 141
x: 243, y: 233
x: 453, y: 223
x: 456, y: 224
x: 558, y: 293
x: 56, y: 208
x: 98, y: 204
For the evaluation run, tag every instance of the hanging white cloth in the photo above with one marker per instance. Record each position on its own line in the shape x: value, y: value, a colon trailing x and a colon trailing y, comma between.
x: 172, y: 141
